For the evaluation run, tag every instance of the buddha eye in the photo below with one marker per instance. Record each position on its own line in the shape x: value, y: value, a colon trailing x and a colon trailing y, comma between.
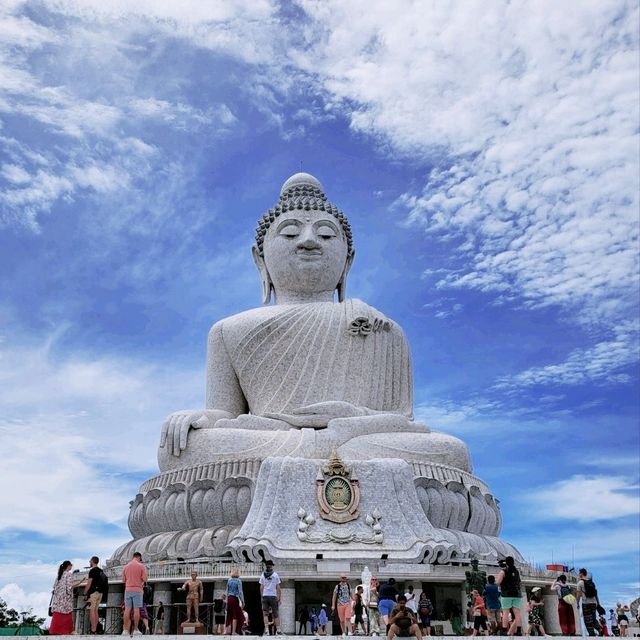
x: 326, y: 232
x: 290, y: 231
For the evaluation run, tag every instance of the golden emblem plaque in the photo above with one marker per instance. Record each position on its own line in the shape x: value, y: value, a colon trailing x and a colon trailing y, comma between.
x: 338, y: 491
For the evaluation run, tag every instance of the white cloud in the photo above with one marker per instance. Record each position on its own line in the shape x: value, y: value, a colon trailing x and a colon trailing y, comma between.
x: 598, y: 363
x: 585, y: 499
x: 532, y: 106
x: 89, y: 412
x: 16, y: 598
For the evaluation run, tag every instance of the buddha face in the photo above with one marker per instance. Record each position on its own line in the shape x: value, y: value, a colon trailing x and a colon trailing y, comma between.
x: 305, y: 253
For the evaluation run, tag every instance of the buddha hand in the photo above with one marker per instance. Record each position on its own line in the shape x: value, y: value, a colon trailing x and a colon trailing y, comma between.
x: 318, y: 415
x: 175, y: 429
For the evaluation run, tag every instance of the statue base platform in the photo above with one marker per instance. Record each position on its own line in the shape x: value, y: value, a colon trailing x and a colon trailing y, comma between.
x: 192, y: 628
x: 248, y: 510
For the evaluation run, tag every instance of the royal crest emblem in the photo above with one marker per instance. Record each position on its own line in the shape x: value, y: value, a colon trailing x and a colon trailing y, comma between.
x: 338, y: 491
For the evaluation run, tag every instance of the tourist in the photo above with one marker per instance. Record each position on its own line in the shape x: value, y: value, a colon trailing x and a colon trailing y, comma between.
x: 313, y: 621
x: 341, y: 603
x: 509, y: 582
x: 425, y: 610
x: 587, y: 593
x: 402, y: 621
x: 358, y: 611
x: 303, y: 620
x: 62, y: 602
x: 158, y: 624
x: 411, y: 600
x: 134, y: 575
x: 613, y: 620
x: 144, y: 618
x: 535, y: 606
x: 623, y: 620
x: 387, y: 595
x: 235, y: 602
x: 195, y: 593
x: 491, y: 596
x: 479, y: 614
x: 566, y: 600
x: 219, y: 613
x: 323, y: 619
x: 270, y: 594
x: 372, y: 608
x: 603, y: 626
x: 93, y: 592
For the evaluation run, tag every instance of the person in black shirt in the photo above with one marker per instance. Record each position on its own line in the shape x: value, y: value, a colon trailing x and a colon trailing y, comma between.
x: 93, y: 592
x: 358, y: 610
x: 402, y: 622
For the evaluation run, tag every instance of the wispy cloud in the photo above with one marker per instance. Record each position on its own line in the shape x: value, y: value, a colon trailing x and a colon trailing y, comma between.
x: 536, y: 116
x: 586, y: 498
x: 600, y: 363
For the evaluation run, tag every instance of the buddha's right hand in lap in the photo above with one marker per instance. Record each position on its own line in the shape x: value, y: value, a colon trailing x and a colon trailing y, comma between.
x: 175, y: 430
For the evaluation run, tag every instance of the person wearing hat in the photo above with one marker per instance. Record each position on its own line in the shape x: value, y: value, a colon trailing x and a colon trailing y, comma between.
x: 270, y: 595
x: 322, y: 621
x: 535, y: 607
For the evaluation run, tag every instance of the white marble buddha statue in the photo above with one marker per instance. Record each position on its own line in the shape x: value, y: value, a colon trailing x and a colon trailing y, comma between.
x: 307, y: 374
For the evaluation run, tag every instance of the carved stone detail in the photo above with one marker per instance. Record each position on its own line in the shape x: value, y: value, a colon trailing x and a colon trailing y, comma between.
x: 340, y: 535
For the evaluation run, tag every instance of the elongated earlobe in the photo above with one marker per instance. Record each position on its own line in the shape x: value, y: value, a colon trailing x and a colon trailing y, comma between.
x: 267, y: 285
x: 342, y: 284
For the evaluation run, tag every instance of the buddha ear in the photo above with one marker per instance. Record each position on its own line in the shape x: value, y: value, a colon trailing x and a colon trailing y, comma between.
x: 267, y: 285
x: 342, y: 284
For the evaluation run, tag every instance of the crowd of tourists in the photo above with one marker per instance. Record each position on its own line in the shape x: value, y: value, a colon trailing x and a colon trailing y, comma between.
x: 380, y: 609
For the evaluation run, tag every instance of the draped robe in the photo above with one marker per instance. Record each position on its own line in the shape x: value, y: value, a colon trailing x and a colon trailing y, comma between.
x: 290, y: 356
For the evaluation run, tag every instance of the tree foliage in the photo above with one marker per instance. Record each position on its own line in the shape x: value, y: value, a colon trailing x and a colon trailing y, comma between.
x: 13, y: 618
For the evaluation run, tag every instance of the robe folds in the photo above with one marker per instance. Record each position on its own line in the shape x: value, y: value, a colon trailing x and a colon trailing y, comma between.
x: 291, y: 356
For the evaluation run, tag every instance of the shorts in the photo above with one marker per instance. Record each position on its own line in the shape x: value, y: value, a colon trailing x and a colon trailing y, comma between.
x: 219, y: 618
x: 495, y: 616
x: 270, y: 602
x: 425, y: 621
x: 143, y: 613
x: 133, y: 599
x: 508, y: 602
x: 385, y: 607
x: 94, y: 600
x: 345, y: 612
x: 479, y: 622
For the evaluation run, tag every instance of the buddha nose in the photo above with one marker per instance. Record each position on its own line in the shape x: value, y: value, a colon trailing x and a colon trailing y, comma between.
x: 307, y: 240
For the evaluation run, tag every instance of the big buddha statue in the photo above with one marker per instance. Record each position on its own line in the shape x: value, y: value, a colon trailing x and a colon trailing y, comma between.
x: 310, y: 378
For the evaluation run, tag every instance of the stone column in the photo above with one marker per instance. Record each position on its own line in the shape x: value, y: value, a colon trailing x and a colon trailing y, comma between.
x: 464, y: 598
x: 113, y: 619
x: 551, y: 619
x: 81, y: 622
x: 288, y: 607
x: 162, y: 593
x: 524, y: 614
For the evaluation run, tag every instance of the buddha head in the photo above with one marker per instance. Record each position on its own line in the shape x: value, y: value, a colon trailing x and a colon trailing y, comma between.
x: 304, y: 248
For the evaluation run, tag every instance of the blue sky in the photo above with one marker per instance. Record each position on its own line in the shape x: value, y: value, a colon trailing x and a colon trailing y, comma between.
x: 487, y: 158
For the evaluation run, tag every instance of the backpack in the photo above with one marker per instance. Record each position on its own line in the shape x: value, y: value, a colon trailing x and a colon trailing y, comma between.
x: 510, y: 587
x: 102, y: 585
x: 426, y: 610
x: 590, y: 590
x: 565, y: 591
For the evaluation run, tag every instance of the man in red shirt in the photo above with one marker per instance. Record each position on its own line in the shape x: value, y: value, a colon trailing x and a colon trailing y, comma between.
x: 134, y: 575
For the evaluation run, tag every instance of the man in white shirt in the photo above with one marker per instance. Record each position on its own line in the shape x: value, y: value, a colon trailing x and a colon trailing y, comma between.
x: 270, y: 594
x: 411, y: 599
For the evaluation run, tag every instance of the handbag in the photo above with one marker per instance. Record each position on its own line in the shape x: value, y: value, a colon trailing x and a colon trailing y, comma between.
x: 569, y: 599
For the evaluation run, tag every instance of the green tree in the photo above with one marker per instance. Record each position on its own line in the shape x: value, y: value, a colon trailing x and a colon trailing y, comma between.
x: 12, y: 618
x: 8, y: 617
